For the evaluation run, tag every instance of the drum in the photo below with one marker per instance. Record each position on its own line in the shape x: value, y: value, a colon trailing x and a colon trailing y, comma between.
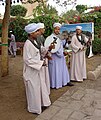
x: 52, y: 39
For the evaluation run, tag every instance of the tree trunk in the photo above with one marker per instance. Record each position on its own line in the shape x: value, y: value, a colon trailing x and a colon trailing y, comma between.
x: 4, y: 40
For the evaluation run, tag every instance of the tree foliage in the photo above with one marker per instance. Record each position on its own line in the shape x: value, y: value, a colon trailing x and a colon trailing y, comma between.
x: 17, y: 26
x: 42, y: 9
x: 97, y: 23
x: 69, y: 15
x: 18, y: 10
x: 81, y: 8
x: 59, y: 3
x: 97, y: 45
x: 64, y: 3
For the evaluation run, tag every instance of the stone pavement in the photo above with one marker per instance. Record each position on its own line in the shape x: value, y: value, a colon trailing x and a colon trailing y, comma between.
x: 80, y: 102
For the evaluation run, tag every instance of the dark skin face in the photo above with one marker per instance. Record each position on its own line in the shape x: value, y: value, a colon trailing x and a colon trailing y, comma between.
x: 65, y: 35
x: 41, y: 31
x: 34, y: 35
x: 57, y: 30
x: 78, y: 31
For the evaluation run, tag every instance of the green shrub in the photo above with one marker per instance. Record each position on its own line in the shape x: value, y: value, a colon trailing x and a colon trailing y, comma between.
x: 96, y: 45
x: 18, y: 10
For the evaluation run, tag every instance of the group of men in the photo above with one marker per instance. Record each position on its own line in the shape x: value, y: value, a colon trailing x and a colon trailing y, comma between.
x: 44, y: 69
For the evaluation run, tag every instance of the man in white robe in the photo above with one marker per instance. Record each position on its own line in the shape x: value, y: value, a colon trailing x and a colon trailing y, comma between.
x: 12, y: 46
x: 78, y: 60
x: 36, y: 89
x: 58, y: 71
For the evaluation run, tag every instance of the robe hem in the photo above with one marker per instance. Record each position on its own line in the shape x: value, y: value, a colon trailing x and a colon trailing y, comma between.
x: 75, y: 80
x: 46, y: 105
x: 59, y: 86
x: 34, y: 111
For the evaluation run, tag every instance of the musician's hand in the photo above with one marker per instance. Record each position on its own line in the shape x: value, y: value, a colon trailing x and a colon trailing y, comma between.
x: 52, y: 46
x: 65, y: 53
x: 79, y: 49
x: 44, y: 63
x: 82, y: 49
x: 48, y: 56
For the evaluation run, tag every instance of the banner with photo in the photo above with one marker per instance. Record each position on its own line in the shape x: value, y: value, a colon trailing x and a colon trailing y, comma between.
x: 87, y: 29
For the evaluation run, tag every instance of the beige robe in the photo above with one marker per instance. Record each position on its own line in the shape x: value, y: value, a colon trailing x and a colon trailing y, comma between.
x: 78, y: 61
x: 35, y: 84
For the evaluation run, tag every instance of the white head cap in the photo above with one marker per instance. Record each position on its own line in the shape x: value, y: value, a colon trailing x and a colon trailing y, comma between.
x: 41, y: 25
x: 79, y: 27
x: 32, y: 27
x: 56, y: 25
x: 10, y: 31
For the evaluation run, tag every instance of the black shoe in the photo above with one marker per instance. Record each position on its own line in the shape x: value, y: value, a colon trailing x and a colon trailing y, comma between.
x: 44, y: 108
x: 70, y: 84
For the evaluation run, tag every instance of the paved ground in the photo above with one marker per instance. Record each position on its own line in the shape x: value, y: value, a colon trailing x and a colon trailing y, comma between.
x: 81, y: 102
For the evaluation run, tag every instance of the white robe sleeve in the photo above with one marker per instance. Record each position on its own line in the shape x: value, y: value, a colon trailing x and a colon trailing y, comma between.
x: 31, y: 61
x: 73, y: 46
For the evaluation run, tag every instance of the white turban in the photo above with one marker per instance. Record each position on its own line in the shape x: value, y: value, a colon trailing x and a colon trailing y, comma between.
x: 79, y: 27
x: 56, y: 25
x: 41, y: 25
x: 32, y: 27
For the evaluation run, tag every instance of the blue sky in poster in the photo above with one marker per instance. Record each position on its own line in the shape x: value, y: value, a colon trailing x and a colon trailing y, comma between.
x: 71, y: 27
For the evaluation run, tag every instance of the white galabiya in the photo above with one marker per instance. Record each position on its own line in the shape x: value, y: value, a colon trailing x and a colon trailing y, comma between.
x: 34, y: 78
x: 78, y: 60
x: 12, y: 46
x: 58, y: 71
